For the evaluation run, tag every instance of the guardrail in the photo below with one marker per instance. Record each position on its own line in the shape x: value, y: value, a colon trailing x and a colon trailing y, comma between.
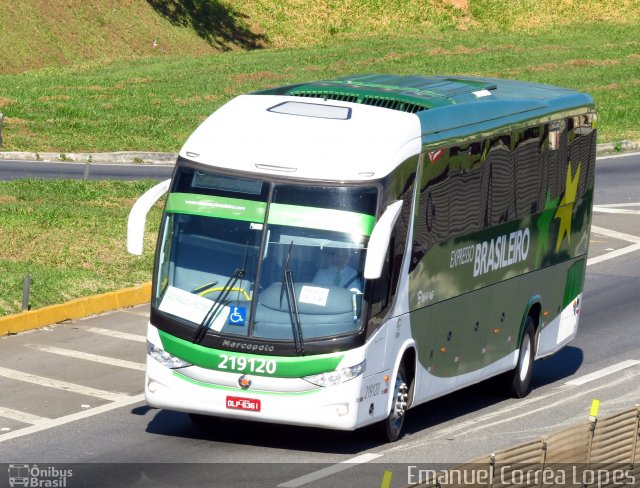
x: 601, y: 453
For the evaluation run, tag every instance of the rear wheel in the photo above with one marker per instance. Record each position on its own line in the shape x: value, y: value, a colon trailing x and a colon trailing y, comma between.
x: 391, y: 427
x: 519, y: 380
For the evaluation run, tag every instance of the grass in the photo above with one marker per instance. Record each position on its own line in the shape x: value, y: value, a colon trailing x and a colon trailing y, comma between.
x: 70, y: 236
x: 155, y: 103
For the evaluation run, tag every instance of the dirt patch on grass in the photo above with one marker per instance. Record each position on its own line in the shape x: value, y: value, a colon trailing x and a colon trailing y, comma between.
x: 7, y: 199
x: 140, y: 81
x: 257, y: 77
x: 571, y: 63
x: 460, y: 49
x: 18, y: 126
x: 5, y: 102
x: 54, y: 98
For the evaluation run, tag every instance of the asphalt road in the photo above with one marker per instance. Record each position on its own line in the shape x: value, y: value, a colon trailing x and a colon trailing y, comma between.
x: 59, y: 405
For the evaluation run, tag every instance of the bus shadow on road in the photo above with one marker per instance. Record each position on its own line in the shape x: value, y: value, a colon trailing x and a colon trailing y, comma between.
x: 430, y: 415
x: 490, y: 392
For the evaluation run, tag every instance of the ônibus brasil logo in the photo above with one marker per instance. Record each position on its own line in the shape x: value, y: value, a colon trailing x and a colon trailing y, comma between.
x: 33, y: 476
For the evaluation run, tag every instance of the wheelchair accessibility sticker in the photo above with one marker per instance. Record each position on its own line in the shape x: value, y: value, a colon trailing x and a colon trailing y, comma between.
x: 238, y: 316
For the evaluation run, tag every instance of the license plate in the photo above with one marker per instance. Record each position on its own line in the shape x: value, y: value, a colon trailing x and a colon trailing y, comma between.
x: 240, y: 403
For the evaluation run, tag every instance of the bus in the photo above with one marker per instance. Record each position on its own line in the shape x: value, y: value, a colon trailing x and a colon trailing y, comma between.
x: 336, y: 252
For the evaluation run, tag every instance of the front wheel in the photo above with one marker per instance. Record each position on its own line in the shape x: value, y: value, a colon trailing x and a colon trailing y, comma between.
x: 391, y: 427
x: 519, y: 380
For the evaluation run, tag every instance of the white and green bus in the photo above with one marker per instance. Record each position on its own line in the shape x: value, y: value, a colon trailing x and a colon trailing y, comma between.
x: 334, y: 253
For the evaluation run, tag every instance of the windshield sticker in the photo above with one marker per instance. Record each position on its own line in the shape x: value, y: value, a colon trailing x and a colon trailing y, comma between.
x: 238, y: 316
x: 314, y: 295
x: 221, y: 207
x: 191, y: 307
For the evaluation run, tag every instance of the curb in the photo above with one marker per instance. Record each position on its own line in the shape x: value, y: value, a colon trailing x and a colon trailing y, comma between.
x: 120, y: 157
x: 75, y: 309
x: 609, y: 148
x: 160, y: 158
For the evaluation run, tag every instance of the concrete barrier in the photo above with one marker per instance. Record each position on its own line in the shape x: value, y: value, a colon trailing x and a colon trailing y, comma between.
x: 602, y: 452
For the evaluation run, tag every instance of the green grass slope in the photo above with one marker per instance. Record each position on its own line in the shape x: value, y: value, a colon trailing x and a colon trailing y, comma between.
x: 42, y: 33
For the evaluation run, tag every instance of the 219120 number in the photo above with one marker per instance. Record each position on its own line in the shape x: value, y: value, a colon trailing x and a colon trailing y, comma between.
x: 250, y: 365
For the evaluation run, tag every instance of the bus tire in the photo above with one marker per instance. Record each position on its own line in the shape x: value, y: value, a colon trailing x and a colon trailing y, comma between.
x: 391, y: 427
x: 519, y: 380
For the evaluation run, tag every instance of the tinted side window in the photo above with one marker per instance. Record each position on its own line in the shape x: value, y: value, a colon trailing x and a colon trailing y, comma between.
x: 465, y: 179
x: 528, y: 171
x: 498, y: 183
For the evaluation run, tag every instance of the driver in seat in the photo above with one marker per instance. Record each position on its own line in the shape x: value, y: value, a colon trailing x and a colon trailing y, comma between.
x: 338, y: 273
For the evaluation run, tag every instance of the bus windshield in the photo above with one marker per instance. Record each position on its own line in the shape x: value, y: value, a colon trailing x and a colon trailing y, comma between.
x: 273, y: 261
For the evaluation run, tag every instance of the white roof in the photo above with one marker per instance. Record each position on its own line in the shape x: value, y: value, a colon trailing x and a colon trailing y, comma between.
x: 244, y: 135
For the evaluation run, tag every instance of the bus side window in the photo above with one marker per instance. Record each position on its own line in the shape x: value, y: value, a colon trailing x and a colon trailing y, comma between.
x: 526, y: 163
x: 464, y: 189
x: 557, y: 158
x: 498, y: 182
x: 582, y: 145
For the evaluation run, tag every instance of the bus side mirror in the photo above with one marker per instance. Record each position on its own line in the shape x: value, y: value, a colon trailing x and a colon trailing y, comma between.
x: 138, y: 216
x: 379, y: 241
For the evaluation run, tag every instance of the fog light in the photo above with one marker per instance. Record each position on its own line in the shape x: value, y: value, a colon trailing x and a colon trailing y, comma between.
x: 153, y: 386
x: 342, y: 410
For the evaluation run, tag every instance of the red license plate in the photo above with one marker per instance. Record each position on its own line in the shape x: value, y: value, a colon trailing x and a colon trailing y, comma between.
x: 240, y: 403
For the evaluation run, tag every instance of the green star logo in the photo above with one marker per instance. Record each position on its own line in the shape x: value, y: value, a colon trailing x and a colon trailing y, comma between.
x: 544, y: 222
x: 565, y: 210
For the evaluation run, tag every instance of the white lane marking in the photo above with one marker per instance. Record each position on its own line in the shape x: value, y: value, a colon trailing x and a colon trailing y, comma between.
x: 621, y: 205
x: 613, y: 254
x: 530, y: 413
x: 485, y: 421
x: 48, y: 424
x: 615, y: 234
x: 117, y: 334
x: 330, y: 470
x: 61, y: 385
x: 24, y: 417
x: 616, y: 156
x: 70, y: 353
x: 598, y: 208
x: 603, y: 372
x: 139, y: 314
x: 465, y: 425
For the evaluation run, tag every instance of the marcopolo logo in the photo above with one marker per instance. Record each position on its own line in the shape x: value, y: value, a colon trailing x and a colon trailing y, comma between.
x: 38, y: 477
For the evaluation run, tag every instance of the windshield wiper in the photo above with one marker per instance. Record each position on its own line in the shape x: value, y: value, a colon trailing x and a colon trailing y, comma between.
x: 222, y: 300
x: 288, y: 283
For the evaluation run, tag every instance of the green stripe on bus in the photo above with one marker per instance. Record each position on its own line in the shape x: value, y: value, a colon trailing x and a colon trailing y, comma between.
x: 575, y: 280
x: 221, y: 207
x: 279, y: 214
x: 253, y: 364
x: 321, y: 218
x: 237, y: 389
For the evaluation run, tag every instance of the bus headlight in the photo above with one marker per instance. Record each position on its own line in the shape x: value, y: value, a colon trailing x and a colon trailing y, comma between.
x: 164, y: 358
x: 333, y: 378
